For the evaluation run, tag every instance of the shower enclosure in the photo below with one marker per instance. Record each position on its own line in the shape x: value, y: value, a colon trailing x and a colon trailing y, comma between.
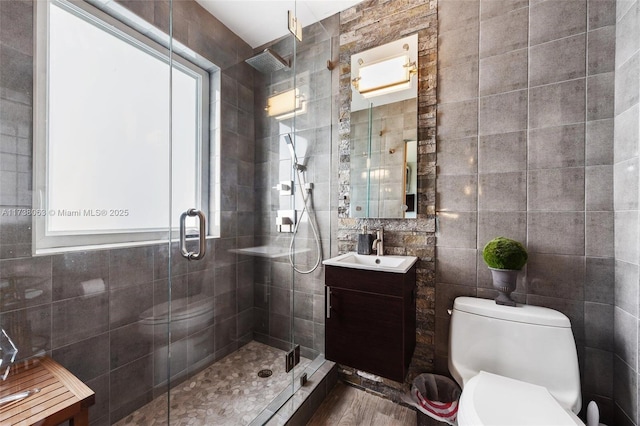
x: 143, y: 245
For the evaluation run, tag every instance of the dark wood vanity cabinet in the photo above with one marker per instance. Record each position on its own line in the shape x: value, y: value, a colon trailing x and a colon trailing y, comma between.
x: 371, y: 320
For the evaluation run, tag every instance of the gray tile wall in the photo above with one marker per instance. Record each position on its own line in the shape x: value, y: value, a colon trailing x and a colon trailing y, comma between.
x: 86, y: 306
x: 289, y: 306
x: 625, y: 201
x: 525, y: 150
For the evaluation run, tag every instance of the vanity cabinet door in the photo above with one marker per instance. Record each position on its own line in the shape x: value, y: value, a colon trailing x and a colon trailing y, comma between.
x: 365, y: 330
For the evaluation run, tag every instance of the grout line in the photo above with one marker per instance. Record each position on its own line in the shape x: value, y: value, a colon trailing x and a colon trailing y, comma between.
x: 477, y: 137
x: 586, y: 114
x: 527, y: 147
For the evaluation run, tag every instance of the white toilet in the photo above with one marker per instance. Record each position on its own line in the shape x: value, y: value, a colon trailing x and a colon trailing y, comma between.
x: 515, y: 365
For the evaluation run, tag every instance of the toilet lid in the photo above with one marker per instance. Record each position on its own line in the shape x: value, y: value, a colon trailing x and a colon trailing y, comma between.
x: 489, y: 399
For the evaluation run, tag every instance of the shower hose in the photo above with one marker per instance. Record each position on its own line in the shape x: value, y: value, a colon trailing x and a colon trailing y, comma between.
x: 307, y: 200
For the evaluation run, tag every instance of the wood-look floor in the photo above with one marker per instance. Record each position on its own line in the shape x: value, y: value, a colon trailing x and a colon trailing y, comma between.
x: 348, y: 406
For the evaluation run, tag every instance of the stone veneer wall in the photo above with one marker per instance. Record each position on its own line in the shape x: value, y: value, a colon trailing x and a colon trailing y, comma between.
x: 97, y: 336
x: 366, y: 25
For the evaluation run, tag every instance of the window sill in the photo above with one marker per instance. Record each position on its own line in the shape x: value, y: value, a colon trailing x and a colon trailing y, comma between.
x: 62, y: 250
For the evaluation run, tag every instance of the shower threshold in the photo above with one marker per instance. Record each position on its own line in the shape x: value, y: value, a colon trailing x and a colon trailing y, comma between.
x: 228, y: 392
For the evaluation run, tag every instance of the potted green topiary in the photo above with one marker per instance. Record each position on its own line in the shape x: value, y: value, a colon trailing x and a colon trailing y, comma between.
x: 505, y: 258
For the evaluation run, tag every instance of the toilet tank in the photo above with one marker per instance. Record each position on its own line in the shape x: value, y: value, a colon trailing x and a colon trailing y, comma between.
x: 528, y: 343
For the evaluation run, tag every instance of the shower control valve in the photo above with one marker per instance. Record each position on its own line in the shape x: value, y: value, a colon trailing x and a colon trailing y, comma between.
x: 285, y: 187
x: 285, y: 220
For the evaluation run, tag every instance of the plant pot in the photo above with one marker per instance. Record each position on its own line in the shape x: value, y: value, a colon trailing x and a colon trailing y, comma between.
x: 504, y: 280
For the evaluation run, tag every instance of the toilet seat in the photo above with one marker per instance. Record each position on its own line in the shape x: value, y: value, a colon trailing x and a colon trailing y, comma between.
x: 490, y: 399
x: 181, y: 309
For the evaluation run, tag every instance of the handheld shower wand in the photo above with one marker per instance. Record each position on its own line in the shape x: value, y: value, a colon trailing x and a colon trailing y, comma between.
x: 307, y: 199
x: 292, y: 151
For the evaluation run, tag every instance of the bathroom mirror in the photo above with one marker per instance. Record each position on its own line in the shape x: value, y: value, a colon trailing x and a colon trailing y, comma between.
x: 383, y: 137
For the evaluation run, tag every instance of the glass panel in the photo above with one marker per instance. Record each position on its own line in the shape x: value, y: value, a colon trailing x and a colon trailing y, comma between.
x: 294, y: 153
x: 277, y: 147
x: 133, y: 320
x: 66, y: 114
x: 313, y: 136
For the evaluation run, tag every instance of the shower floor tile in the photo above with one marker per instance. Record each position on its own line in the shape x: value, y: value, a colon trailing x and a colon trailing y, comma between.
x: 228, y: 392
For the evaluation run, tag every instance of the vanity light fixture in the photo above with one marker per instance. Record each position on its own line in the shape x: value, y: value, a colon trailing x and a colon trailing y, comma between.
x: 286, y: 104
x: 385, y: 76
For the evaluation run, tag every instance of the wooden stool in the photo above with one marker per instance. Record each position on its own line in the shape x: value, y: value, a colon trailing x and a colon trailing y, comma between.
x: 61, y: 397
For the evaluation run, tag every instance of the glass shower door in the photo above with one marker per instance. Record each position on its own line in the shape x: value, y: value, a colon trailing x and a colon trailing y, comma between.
x: 85, y: 194
x: 194, y: 217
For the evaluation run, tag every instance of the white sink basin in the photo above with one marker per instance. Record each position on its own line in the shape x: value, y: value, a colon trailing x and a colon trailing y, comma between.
x: 397, y: 264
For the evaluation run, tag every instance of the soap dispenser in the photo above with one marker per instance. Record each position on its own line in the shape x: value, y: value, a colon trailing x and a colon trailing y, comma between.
x: 364, y: 241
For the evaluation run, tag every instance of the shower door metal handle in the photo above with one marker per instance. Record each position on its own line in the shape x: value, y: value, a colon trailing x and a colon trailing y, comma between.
x: 201, y: 237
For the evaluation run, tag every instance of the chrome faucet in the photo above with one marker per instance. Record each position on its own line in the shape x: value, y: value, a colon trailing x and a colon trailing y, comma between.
x: 378, y: 243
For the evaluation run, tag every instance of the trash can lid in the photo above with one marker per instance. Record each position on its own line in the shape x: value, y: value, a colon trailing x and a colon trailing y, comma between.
x: 490, y: 399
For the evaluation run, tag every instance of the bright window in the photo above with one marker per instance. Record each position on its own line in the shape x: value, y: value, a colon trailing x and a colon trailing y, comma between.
x: 103, y: 152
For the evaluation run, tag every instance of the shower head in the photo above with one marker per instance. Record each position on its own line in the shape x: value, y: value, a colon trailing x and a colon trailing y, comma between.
x: 267, y: 61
